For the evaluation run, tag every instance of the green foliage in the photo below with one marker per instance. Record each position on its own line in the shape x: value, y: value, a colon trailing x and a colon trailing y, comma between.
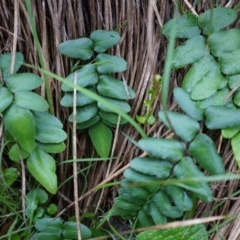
x: 95, y: 75
x: 196, y: 232
x: 204, y: 96
x: 29, y: 128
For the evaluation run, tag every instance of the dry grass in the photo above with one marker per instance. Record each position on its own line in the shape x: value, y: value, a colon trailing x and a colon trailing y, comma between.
x: 144, y: 48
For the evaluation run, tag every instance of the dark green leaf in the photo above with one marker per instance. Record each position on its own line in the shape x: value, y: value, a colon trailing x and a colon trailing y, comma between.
x: 235, y: 143
x: 16, y: 153
x: 216, y: 19
x: 224, y: 41
x: 23, y: 81
x: 5, y: 63
x: 6, y: 98
x: 81, y: 100
x: 43, y: 168
x: 50, y: 225
x: 191, y: 51
x: 184, y: 126
x: 229, y: 62
x: 10, y: 175
x: 187, y: 168
x: 101, y: 137
x: 121, y: 105
x: 111, y: 118
x: 204, y: 151
x: 77, y: 48
x: 114, y: 88
x: 47, y: 119
x: 86, y: 76
x: 52, y: 147
x: 236, y: 98
x: 187, y: 104
x: 152, y: 167
x: 31, y: 101
x: 88, y: 123
x: 46, y: 236
x: 169, y: 149
x: 21, y: 125
x: 103, y: 40
x: 198, y: 70
x: 34, y: 198
x: 84, y: 113
x: 186, y: 26
x: 219, y: 117
x: 196, y: 232
x: 110, y: 64
x: 234, y: 81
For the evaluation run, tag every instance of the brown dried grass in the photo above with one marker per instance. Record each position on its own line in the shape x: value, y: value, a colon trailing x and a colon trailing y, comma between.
x: 144, y: 48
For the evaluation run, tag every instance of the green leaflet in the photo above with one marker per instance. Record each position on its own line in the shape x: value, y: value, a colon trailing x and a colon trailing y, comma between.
x: 187, y: 26
x: 10, y: 175
x: 110, y: 64
x: 185, y: 102
x: 5, y: 63
x: 233, y: 81
x: 230, y: 132
x: 52, y: 147
x: 86, y: 76
x: 16, y: 153
x: 103, y: 40
x: 77, y: 48
x: 216, y: 19
x: 224, y: 41
x: 152, y: 167
x: 195, y: 232
x: 114, y: 88
x: 49, y: 225
x: 101, y: 137
x: 6, y: 98
x: 111, y: 119
x: 216, y: 117
x: 203, y: 149
x: 23, y: 81
x: 185, y: 127
x: 167, y: 149
x: 21, y: 125
x: 88, y: 123
x: 236, y: 98
x: 30, y: 100
x: 43, y: 168
x: 235, y: 143
x: 47, y: 119
x: 192, y: 50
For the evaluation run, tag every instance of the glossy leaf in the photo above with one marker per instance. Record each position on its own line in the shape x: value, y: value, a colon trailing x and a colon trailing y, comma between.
x: 191, y: 51
x: 5, y: 63
x: 187, y: 168
x: 187, y: 26
x: 229, y: 62
x: 10, y: 175
x: 23, y: 81
x: 30, y: 100
x: 204, y: 151
x: 84, y: 113
x: 198, y: 70
x: 216, y: 19
x: 110, y: 64
x: 43, y: 168
x: 152, y: 167
x: 224, y: 41
x: 86, y: 76
x: 16, y: 153
x: 70, y: 230
x: 167, y: 149
x: 219, y: 117
x: 114, y: 88
x: 185, y: 102
x: 52, y: 147
x: 77, y: 48
x: 6, y: 98
x: 195, y: 232
x: 208, y: 85
x: 220, y: 98
x: 81, y: 99
x: 88, y: 123
x: 21, y: 125
x: 122, y: 105
x: 49, y: 225
x: 104, y: 39
x: 235, y: 143
x: 101, y: 137
x: 184, y: 126
x: 111, y: 118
